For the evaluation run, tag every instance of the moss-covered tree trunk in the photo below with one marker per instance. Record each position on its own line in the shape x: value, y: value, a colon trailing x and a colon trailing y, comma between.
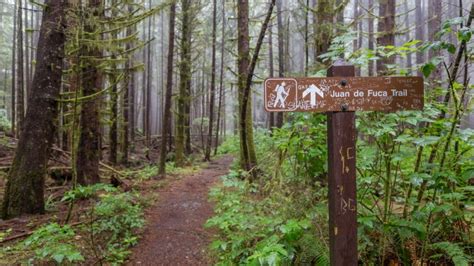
x: 184, y: 82
x: 207, y: 155
x: 25, y: 185
x: 221, y: 82
x: 166, y: 129
x: 127, y: 96
x: 243, y: 62
x: 88, y: 150
x: 245, y: 70
x: 324, y: 30
x: 113, y: 131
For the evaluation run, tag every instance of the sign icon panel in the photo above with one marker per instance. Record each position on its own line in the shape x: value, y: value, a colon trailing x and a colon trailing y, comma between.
x: 280, y: 94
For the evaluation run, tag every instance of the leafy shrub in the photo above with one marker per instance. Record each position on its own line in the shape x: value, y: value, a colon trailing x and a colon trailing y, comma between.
x: 259, y: 231
x: 229, y: 146
x: 86, y: 192
x: 116, y: 217
x: 53, y: 242
x: 109, y: 229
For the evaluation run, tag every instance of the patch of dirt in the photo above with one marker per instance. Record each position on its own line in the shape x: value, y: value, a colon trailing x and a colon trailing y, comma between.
x: 175, y: 234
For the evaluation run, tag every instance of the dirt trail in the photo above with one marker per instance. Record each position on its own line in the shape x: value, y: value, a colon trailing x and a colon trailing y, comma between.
x: 175, y: 233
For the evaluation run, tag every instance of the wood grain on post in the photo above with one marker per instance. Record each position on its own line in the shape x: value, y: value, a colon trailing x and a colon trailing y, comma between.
x: 342, y: 179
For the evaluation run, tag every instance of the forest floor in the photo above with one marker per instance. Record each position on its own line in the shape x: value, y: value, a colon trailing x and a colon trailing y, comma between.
x: 175, y: 234
x: 176, y: 208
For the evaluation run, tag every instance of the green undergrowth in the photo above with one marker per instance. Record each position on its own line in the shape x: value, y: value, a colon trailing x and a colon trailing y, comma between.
x: 405, y: 215
x: 150, y: 171
x: 104, y: 234
x: 263, y: 230
x: 106, y: 230
x: 415, y: 172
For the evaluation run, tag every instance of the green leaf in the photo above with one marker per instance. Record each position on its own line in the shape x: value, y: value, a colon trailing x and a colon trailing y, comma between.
x: 58, y: 258
x: 468, y: 174
x: 452, y: 22
x: 454, y: 251
x: 427, y: 69
x: 451, y: 48
x: 411, y: 43
x: 464, y: 34
x: 425, y: 141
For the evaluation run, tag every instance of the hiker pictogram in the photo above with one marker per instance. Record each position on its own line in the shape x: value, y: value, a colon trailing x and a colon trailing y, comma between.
x: 282, y: 94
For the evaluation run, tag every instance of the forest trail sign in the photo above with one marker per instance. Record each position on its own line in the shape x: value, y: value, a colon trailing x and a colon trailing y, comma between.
x: 349, y: 94
x: 340, y: 95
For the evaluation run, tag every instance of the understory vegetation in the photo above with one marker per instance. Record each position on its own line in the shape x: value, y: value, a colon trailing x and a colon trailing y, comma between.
x: 107, y: 230
x: 95, y: 224
x: 414, y: 179
x: 282, y: 217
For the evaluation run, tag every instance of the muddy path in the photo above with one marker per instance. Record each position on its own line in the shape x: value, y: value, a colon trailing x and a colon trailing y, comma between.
x: 175, y: 234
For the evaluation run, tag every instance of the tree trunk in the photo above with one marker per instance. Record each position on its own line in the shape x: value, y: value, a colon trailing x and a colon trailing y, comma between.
x: 149, y: 83
x: 113, y: 131
x: 386, y: 31
x: 357, y: 41
x: 271, y: 115
x: 407, y: 36
x: 207, y: 156
x: 88, y: 153
x: 24, y: 192
x: 434, y: 26
x: 371, y: 36
x: 28, y: 66
x: 243, y: 66
x: 14, y: 57
x: 324, y: 28
x: 184, y: 82
x: 420, y: 32
x: 129, y: 85
x: 314, y: 4
x: 281, y: 56
x: 20, y: 77
x: 340, y: 12
x: 306, y: 39
x: 165, y: 130
x: 221, y: 83
x: 246, y: 70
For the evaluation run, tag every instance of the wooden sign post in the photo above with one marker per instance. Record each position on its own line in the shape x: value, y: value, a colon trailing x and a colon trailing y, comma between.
x: 340, y: 95
x: 342, y: 137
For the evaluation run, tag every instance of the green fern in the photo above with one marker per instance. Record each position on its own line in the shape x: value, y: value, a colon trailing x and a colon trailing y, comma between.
x: 453, y: 251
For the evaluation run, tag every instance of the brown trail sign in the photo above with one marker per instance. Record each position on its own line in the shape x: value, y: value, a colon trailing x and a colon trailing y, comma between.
x: 341, y: 91
x: 352, y: 93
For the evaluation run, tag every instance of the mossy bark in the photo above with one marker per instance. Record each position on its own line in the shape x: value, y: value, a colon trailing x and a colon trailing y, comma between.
x: 166, y: 129
x: 24, y: 192
x: 88, y: 151
x: 243, y: 65
x: 324, y: 29
x: 182, y: 122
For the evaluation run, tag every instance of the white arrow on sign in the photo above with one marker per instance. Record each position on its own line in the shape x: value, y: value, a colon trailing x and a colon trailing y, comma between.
x: 313, y: 90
